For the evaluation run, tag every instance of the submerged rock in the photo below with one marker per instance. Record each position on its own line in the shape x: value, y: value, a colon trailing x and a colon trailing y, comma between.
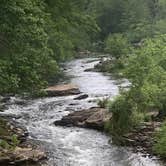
x: 90, y: 70
x: 81, y: 97
x: 5, y: 99
x: 62, y: 90
x: 2, y: 107
x: 93, y: 118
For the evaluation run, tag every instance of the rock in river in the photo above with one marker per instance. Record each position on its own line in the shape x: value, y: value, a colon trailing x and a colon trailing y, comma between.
x: 62, y: 90
x: 81, y: 97
x: 93, y: 118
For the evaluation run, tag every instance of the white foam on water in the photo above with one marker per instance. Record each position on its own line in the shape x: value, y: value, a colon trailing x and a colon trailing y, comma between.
x: 76, y: 146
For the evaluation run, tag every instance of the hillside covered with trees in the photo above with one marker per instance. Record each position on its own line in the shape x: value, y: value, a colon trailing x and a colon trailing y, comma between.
x: 135, y: 36
x: 36, y: 36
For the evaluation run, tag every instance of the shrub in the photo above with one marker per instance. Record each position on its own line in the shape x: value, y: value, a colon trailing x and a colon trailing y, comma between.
x: 160, y: 139
x: 4, y: 144
x: 117, y: 45
x: 146, y: 71
x: 102, y: 103
x: 121, y: 119
x: 14, y: 141
x: 125, y: 115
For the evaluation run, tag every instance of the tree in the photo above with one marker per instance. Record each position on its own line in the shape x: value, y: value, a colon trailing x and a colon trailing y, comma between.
x: 35, y: 36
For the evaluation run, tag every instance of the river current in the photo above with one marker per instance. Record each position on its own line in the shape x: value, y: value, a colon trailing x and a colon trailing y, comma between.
x: 76, y: 146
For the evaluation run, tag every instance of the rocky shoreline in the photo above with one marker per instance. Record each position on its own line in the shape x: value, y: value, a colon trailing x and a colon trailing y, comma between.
x: 21, y: 150
x: 15, y: 146
x: 141, y: 138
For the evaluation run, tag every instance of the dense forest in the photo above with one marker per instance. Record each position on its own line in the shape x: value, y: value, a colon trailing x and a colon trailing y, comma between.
x: 37, y: 35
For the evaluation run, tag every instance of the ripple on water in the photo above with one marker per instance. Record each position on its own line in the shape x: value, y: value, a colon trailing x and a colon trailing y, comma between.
x: 75, y: 146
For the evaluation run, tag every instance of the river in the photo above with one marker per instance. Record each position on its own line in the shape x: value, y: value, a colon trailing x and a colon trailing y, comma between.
x: 76, y: 146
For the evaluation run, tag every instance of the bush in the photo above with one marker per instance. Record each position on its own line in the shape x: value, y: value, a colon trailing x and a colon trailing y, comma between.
x: 124, y: 114
x: 160, y: 139
x: 117, y: 45
x: 139, y: 31
x: 14, y: 141
x: 4, y: 144
x: 146, y: 71
x: 111, y: 66
x: 102, y: 103
x: 121, y: 110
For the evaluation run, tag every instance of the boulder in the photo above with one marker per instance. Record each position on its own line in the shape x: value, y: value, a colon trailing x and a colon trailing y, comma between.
x: 81, y: 97
x: 62, y: 90
x: 21, y: 156
x: 90, y: 70
x: 93, y: 118
x: 98, y: 119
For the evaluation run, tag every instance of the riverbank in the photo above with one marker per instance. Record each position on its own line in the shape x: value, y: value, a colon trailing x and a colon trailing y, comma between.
x: 140, y: 138
x: 75, y: 146
x: 15, y: 146
x: 143, y: 136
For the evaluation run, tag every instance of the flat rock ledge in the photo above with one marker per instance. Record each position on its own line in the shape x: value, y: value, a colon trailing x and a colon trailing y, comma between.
x: 62, y: 90
x: 93, y: 118
x: 21, y: 156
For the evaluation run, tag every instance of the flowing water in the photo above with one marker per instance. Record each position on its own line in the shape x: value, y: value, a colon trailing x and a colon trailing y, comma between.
x: 76, y: 146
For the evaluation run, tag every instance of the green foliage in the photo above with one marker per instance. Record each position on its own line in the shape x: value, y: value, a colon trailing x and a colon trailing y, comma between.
x: 14, y: 141
x: 137, y: 19
x: 4, y: 144
x: 108, y: 14
x: 12, y: 144
x: 23, y: 30
x: 9, y: 140
x: 35, y: 36
x: 125, y: 115
x: 115, y: 67
x: 117, y: 45
x: 146, y: 72
x: 103, y: 103
x: 160, y: 142
x: 121, y: 110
